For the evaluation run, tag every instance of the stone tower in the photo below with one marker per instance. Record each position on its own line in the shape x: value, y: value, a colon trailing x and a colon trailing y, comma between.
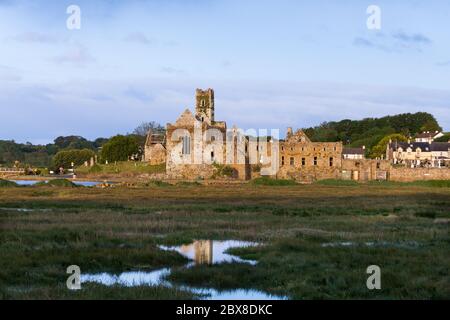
x: 204, y: 104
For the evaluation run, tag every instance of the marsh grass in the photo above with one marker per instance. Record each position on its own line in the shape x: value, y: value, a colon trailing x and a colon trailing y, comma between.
x: 118, y: 230
x: 335, y: 182
x: 265, y: 181
x: 57, y: 183
x: 7, y: 184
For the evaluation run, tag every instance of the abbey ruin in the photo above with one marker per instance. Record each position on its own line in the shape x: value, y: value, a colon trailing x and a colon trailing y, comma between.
x: 197, y: 146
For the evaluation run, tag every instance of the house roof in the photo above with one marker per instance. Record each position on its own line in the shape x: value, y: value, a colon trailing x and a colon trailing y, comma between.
x: 427, y: 134
x: 440, y: 146
x: 353, y: 151
x: 424, y: 146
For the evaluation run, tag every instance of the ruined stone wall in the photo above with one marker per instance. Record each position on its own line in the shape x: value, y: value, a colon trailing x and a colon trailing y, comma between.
x: 155, y: 154
x: 415, y: 174
x: 204, y: 149
x: 365, y: 169
x: 310, y: 161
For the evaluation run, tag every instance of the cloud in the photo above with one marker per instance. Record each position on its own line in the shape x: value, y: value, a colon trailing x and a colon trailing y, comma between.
x: 78, y: 56
x: 9, y: 74
x: 171, y: 70
x: 362, y: 42
x: 443, y: 63
x: 35, y: 37
x: 138, y: 37
x: 137, y: 94
x: 394, y: 42
x: 411, y: 38
x: 118, y: 106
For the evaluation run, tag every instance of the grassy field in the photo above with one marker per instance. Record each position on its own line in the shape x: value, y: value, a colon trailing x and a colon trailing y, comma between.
x: 318, y: 239
x: 122, y: 169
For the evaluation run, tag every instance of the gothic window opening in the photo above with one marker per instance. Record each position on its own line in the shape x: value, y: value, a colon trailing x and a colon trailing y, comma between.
x: 186, y: 145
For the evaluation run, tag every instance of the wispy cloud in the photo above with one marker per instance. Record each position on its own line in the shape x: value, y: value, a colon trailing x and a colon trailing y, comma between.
x: 138, y: 37
x: 138, y: 94
x: 78, y: 56
x: 171, y: 70
x: 9, y: 74
x: 395, y: 42
x: 35, y: 37
x: 411, y: 38
x: 443, y: 63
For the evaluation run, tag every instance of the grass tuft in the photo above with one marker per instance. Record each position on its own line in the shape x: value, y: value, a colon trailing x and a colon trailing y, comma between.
x: 265, y: 181
x: 7, y: 184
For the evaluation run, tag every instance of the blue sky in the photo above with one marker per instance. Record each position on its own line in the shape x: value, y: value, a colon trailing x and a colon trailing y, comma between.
x: 273, y: 64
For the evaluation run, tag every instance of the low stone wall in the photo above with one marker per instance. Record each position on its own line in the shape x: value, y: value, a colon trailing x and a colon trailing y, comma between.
x: 414, y: 174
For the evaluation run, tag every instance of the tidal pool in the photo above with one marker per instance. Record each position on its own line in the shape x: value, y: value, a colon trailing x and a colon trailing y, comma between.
x: 212, y: 252
x: 78, y: 183
x: 199, y: 252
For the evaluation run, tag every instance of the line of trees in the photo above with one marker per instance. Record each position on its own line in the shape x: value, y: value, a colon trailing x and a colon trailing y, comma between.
x: 369, y: 132
x: 55, y: 155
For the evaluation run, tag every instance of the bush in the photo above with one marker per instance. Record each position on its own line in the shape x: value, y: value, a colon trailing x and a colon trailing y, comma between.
x: 78, y: 157
x: 188, y: 183
x: 265, y: 181
x: 119, y: 148
x: 95, y: 169
x: 158, y: 183
x: 224, y: 171
x: 7, y: 184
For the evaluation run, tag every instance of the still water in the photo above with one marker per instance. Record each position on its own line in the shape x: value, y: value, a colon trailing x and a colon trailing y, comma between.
x: 78, y: 183
x: 199, y: 252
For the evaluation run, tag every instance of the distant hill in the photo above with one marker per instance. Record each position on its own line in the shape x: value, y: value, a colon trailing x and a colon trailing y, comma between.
x: 368, y: 132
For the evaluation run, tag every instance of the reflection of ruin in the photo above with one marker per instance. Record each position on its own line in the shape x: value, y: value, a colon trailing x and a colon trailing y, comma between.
x: 203, y: 252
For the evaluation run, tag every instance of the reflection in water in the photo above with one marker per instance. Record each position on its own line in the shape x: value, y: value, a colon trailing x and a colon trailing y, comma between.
x: 212, y: 252
x: 202, y: 252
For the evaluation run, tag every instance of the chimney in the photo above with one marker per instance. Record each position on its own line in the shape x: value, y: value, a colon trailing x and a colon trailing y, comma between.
x: 364, y: 147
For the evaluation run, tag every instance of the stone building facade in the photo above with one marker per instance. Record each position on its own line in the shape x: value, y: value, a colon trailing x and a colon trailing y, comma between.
x: 307, y: 161
x: 197, y: 144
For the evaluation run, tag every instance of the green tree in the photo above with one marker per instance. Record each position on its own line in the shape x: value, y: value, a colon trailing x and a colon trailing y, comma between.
x: 444, y: 138
x: 430, y: 125
x: 65, y: 158
x: 73, y: 142
x: 119, y: 148
x: 380, y: 148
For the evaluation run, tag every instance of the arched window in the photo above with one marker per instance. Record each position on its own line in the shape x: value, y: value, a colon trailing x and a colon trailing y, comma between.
x: 186, y: 145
